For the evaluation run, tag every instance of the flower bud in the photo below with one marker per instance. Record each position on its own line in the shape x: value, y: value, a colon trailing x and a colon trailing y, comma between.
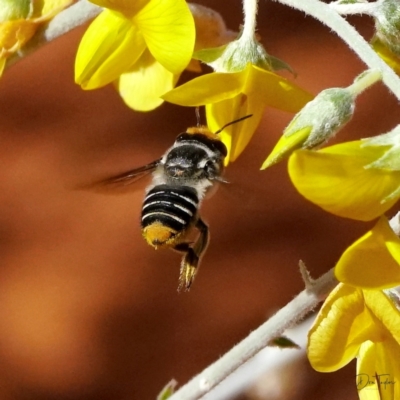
x: 14, y: 9
x: 316, y: 123
x: 390, y: 160
x: 235, y: 56
x: 387, y: 23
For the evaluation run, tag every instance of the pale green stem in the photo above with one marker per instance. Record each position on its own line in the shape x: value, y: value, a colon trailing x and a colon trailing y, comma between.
x: 355, y: 41
x: 288, y: 316
x: 352, y: 9
x: 364, y: 81
x: 250, y: 14
x: 395, y: 224
x: 316, y: 291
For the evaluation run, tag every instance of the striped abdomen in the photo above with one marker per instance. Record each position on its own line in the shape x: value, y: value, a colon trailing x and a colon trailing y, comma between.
x: 167, y: 212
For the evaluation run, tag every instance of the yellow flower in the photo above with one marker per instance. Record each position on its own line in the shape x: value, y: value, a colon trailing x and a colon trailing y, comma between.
x: 20, y: 20
x: 231, y: 95
x: 347, y: 179
x: 358, y: 320
x: 373, y: 261
x: 388, y: 56
x: 362, y: 323
x: 142, y: 46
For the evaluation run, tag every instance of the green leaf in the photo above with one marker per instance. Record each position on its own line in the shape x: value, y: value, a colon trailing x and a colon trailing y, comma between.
x: 209, y: 55
x: 277, y: 64
x: 168, y: 390
x: 284, y: 343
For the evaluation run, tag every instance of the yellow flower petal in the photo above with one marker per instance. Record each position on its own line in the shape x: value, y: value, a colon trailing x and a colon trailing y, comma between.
x: 14, y: 34
x: 49, y: 8
x: 335, y: 179
x: 110, y: 46
x: 381, y: 360
x: 286, y: 145
x: 142, y: 87
x: 273, y: 90
x: 341, y: 326
x: 126, y: 7
x: 390, y: 59
x: 269, y: 89
x: 378, y: 370
x: 368, y: 263
x: 206, y: 89
x: 365, y: 379
x: 388, y: 369
x: 236, y: 136
x: 385, y: 311
x: 168, y: 29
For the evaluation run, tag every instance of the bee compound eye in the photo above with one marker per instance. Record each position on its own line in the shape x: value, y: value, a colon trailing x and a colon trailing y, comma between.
x: 210, y: 168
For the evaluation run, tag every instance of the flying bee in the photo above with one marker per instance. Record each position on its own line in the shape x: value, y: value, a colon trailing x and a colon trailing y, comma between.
x: 181, y: 179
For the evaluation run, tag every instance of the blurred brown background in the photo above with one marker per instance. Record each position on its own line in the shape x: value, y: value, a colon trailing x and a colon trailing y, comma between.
x: 87, y: 309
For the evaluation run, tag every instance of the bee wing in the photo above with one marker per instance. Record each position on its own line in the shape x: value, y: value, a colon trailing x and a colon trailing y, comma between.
x: 128, y: 177
x: 121, y: 180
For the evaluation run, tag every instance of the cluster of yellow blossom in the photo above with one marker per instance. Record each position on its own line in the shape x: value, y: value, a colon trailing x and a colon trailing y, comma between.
x: 360, y: 319
x: 140, y: 46
x: 359, y: 180
x: 143, y: 46
x: 19, y: 21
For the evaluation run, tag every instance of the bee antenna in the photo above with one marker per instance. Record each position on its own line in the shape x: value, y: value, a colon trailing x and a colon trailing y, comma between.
x: 197, y: 111
x: 233, y: 122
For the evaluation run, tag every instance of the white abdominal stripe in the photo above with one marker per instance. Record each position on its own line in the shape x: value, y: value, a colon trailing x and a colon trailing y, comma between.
x: 172, y: 206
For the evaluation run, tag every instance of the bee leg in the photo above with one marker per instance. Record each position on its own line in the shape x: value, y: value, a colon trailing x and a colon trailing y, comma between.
x: 192, y: 256
x: 187, y: 273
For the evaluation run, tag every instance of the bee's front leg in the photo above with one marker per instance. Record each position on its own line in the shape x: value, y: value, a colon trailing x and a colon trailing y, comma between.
x: 190, y: 260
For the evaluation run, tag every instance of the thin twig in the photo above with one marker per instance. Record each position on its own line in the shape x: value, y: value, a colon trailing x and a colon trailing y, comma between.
x: 349, y: 34
x: 286, y: 317
x: 353, y: 8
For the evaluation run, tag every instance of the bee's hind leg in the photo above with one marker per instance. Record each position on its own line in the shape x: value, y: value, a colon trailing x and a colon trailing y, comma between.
x: 192, y: 255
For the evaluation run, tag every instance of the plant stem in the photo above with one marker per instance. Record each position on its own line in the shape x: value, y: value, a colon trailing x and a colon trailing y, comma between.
x: 395, y: 224
x: 364, y: 81
x: 352, y: 9
x: 286, y: 317
x: 250, y: 14
x: 355, y: 41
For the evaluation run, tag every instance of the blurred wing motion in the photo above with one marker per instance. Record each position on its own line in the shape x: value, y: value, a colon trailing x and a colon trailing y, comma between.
x: 123, y: 179
x: 128, y: 177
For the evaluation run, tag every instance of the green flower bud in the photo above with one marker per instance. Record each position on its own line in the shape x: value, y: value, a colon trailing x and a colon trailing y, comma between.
x: 239, y: 53
x: 315, y: 123
x: 390, y: 160
x: 326, y: 114
x: 387, y: 23
x: 235, y: 56
x: 14, y: 9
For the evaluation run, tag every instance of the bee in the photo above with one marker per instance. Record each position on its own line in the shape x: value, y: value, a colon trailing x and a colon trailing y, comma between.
x: 181, y: 178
